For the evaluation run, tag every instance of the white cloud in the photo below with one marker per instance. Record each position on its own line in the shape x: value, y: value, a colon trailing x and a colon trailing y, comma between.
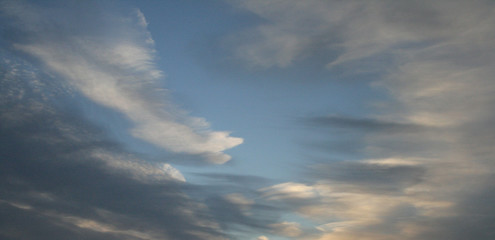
x: 396, y: 161
x: 289, y: 190
x: 141, y: 18
x: 172, y: 172
x: 139, y: 169
x: 118, y: 71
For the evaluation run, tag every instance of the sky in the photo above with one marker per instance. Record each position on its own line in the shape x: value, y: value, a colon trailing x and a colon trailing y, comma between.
x: 249, y: 120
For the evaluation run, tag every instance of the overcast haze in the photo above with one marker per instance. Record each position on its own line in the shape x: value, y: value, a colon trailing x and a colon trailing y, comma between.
x: 257, y: 120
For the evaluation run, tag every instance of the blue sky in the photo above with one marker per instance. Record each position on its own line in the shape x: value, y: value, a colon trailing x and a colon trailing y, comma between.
x: 251, y: 102
x: 308, y: 120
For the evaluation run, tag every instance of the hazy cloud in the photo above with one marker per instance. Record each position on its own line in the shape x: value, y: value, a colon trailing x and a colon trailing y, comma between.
x: 365, y: 124
x: 421, y: 165
x: 428, y: 146
x: 370, y: 176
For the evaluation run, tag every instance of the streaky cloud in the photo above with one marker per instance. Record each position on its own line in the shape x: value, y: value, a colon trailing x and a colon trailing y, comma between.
x: 365, y: 124
x: 117, y: 70
x: 370, y: 176
x: 426, y: 151
x: 239, y: 179
x: 62, y: 177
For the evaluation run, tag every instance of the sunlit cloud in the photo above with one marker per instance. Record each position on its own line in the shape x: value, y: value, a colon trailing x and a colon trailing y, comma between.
x: 262, y: 238
x: 289, y: 190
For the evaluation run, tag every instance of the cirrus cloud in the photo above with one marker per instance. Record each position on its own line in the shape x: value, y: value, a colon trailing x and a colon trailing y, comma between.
x: 116, y: 70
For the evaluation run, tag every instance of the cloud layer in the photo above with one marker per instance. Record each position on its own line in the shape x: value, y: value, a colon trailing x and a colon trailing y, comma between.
x: 62, y: 177
x: 113, y: 65
x: 419, y: 165
x: 428, y: 149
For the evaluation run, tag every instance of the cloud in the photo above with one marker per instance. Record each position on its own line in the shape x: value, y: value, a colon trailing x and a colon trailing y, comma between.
x: 237, y: 179
x: 425, y: 169
x: 139, y: 169
x: 62, y: 177
x: 241, y: 213
x: 115, y: 70
x: 239, y: 199
x: 289, y: 190
x: 426, y: 149
x: 369, y: 176
x: 365, y: 124
x: 346, y: 31
x: 346, y: 213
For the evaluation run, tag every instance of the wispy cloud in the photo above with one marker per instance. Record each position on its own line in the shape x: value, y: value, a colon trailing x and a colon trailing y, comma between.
x: 365, y: 124
x: 429, y: 146
x: 62, y: 177
x: 117, y: 70
x: 418, y: 165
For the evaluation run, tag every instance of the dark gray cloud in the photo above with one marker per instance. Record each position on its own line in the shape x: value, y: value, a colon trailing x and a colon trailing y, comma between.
x: 472, y: 216
x: 344, y: 137
x: 117, y: 49
x: 364, y: 124
x: 370, y: 177
x: 256, y: 217
x: 235, y: 202
x: 53, y: 187
x: 236, y: 179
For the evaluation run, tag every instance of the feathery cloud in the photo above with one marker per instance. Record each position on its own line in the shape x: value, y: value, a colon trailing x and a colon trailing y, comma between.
x: 117, y: 70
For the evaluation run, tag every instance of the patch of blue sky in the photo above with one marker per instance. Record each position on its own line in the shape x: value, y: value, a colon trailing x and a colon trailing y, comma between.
x: 260, y: 105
